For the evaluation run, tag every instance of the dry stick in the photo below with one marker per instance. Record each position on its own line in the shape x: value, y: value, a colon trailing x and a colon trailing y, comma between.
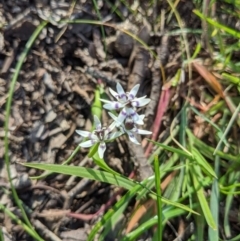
x: 87, y: 217
x: 45, y: 231
x: 137, y: 77
x: 154, y: 95
x: 186, y: 234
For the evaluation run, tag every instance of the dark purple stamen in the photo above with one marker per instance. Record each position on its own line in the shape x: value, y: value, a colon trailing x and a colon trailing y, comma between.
x: 133, y: 114
x: 116, y: 106
x: 131, y: 96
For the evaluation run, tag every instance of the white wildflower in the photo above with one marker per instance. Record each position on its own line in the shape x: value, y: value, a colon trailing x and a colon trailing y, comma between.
x: 130, y: 128
x: 99, y: 135
x: 127, y: 102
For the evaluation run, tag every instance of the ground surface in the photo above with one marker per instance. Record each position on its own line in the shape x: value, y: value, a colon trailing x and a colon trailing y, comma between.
x: 55, y: 90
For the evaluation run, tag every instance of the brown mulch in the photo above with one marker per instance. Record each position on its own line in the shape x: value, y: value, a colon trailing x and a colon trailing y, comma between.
x: 53, y: 97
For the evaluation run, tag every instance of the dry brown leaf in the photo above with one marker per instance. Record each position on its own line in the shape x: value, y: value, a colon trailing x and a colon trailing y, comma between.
x: 142, y: 209
x: 209, y: 78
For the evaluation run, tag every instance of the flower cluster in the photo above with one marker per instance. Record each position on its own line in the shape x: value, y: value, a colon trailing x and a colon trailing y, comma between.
x: 127, y: 121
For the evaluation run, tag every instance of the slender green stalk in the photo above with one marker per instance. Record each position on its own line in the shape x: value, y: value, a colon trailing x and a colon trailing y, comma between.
x: 27, y: 228
x: 8, y: 110
x: 159, y: 201
x: 229, y: 126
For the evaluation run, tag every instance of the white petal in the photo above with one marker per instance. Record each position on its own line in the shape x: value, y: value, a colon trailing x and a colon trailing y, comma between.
x: 97, y: 123
x: 143, y: 132
x: 101, y: 149
x: 133, y: 92
x: 139, y: 121
x: 139, y: 102
x: 84, y: 133
x: 120, y: 89
x: 113, y: 116
x: 114, y: 105
x: 105, y: 101
x: 87, y: 144
x: 111, y: 127
x: 122, y: 116
x: 122, y: 96
x: 115, y: 135
x: 132, y: 138
x: 115, y: 94
x: 141, y: 117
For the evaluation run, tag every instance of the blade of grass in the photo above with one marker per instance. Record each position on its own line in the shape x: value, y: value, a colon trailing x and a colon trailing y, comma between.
x: 184, y: 37
x: 214, y: 201
x: 234, y: 116
x: 168, y: 213
x: 92, y: 174
x: 173, y: 149
x: 8, y: 109
x: 101, y: 176
x: 207, y: 150
x: 159, y: 201
x: 202, y: 200
x: 233, y: 178
x: 27, y: 228
x: 203, y: 163
x: 216, y: 24
x: 111, y: 213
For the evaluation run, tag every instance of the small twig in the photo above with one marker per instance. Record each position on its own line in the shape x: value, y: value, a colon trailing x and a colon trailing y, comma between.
x: 45, y: 231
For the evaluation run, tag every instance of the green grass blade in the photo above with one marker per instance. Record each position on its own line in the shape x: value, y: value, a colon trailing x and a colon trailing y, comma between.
x: 110, y: 214
x: 234, y: 116
x: 159, y: 201
x: 203, y: 163
x: 8, y: 109
x: 216, y: 24
x: 233, y: 178
x: 101, y: 163
x: 47, y: 173
x: 101, y: 176
x: 168, y: 213
x: 207, y: 150
x: 203, y: 202
x: 28, y: 229
x: 214, y: 204
x: 172, y: 149
x: 83, y: 172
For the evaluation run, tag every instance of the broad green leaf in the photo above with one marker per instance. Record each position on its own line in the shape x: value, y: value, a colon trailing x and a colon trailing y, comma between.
x: 83, y: 172
x: 101, y: 176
